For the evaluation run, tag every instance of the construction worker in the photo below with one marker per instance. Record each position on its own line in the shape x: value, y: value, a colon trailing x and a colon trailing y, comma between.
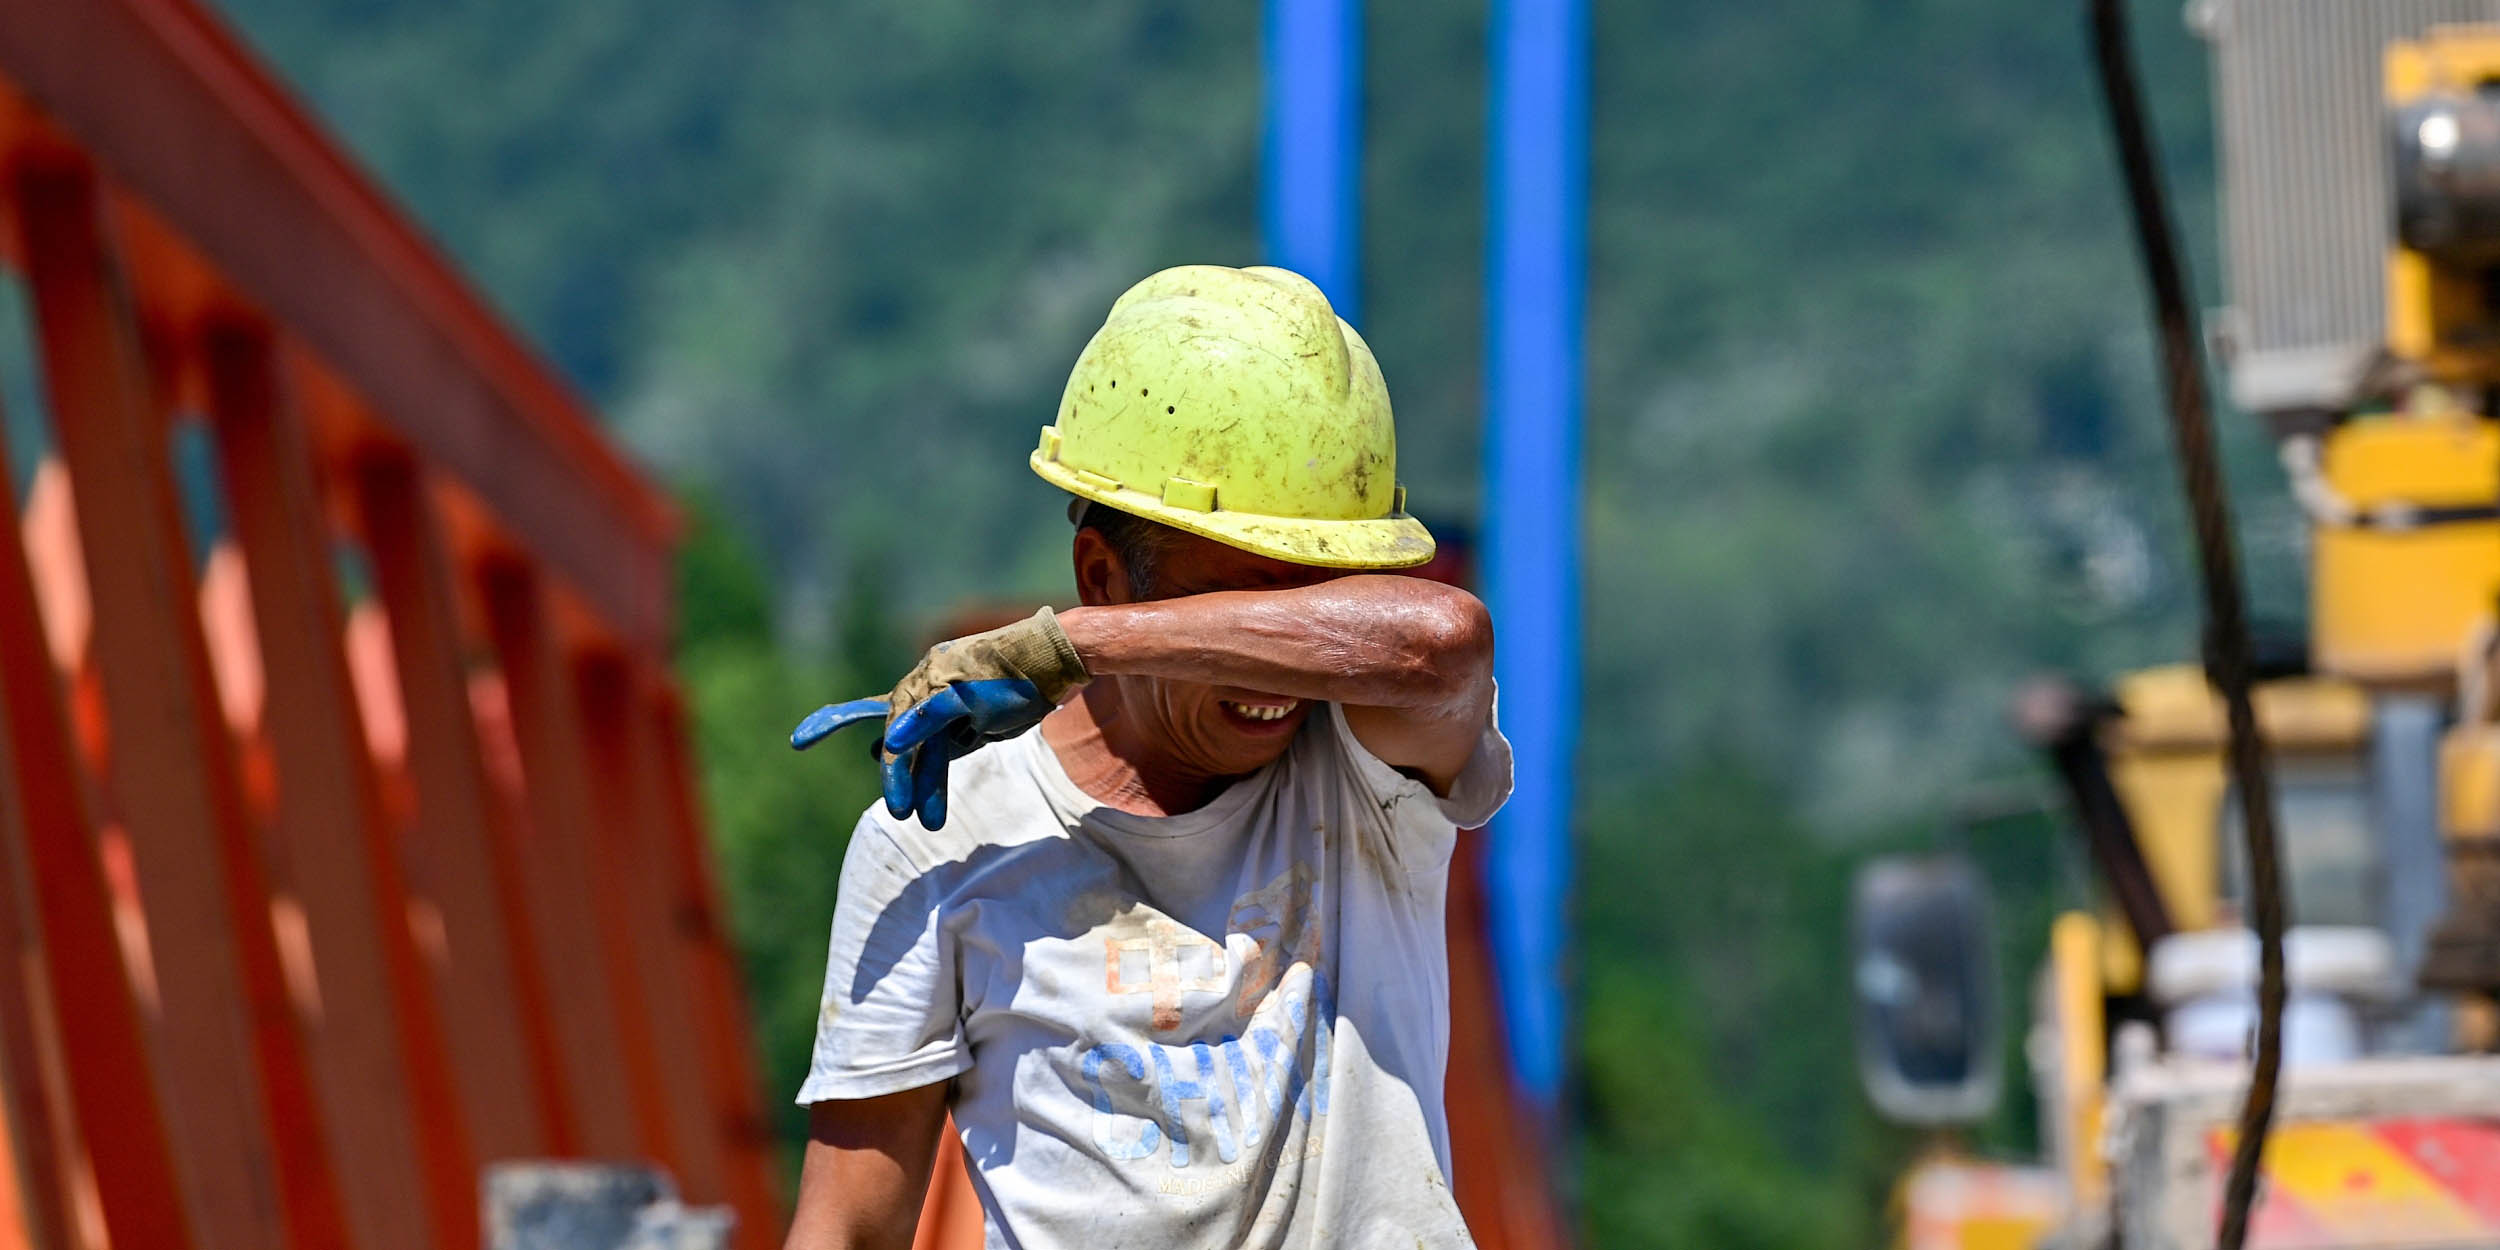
x: 1175, y: 962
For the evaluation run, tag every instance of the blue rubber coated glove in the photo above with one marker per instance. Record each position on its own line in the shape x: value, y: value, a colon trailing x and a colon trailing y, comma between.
x: 920, y: 743
x: 966, y: 692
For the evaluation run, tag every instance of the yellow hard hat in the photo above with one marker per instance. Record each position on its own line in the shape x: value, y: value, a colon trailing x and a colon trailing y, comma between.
x: 1235, y: 405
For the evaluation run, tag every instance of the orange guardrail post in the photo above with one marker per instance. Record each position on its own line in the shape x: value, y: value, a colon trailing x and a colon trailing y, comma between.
x: 621, y: 1120
x: 1497, y: 1153
x: 631, y: 811
x: 49, y: 845
x: 231, y: 1058
x: 404, y: 1161
x: 728, y: 1045
x: 489, y: 986
x: 34, y: 1182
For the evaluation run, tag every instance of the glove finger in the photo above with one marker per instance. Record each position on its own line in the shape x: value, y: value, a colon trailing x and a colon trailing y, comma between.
x: 928, y: 786
x: 924, y: 720
x: 833, y: 718
x: 961, y: 740
x: 896, y: 770
x: 1009, y: 703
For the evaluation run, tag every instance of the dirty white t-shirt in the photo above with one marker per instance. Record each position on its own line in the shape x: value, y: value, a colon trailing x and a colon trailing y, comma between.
x: 1222, y: 1028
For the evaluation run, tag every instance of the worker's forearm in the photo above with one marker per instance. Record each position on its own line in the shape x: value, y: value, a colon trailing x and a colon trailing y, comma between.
x: 1374, y: 641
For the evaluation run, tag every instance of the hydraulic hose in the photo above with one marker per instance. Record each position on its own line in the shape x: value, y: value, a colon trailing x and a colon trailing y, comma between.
x: 2228, y: 649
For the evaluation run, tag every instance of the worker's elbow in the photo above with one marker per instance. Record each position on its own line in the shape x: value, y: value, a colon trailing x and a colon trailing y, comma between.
x: 1454, y: 651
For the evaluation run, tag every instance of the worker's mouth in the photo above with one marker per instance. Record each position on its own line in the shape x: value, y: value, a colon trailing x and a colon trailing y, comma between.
x: 1263, y: 715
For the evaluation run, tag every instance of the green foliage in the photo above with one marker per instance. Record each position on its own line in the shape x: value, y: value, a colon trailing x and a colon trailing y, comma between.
x: 1871, y: 425
x: 1669, y: 1162
x: 724, y: 599
x: 1718, y: 1104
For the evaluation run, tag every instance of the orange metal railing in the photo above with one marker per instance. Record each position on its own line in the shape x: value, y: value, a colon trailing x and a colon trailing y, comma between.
x: 318, y: 892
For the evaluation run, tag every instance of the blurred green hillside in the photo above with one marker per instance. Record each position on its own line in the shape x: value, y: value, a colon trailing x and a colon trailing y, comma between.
x: 1871, y: 426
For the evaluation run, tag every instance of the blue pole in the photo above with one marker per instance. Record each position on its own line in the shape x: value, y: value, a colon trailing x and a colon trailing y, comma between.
x: 1535, y: 275
x: 1311, y: 191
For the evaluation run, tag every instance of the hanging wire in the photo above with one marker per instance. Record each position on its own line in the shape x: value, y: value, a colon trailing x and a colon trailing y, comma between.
x: 2228, y: 662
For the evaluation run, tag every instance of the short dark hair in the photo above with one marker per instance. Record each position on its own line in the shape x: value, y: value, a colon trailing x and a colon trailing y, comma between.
x: 1138, y: 542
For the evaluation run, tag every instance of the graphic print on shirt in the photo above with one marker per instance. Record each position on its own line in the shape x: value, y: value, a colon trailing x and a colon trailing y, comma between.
x: 1168, y: 960
x: 1152, y: 1098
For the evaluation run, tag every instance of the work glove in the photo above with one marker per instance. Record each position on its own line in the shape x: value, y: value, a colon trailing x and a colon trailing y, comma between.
x: 964, y: 693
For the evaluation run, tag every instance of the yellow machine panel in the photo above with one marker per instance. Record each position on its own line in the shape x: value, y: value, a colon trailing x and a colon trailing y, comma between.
x: 2469, y: 771
x: 2396, y: 605
x: 2077, y: 1021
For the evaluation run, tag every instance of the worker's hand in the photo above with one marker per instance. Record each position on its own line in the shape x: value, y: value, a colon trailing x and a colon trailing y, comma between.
x: 965, y: 692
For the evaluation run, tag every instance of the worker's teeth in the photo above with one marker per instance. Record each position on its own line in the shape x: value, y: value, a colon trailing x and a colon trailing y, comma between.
x: 1277, y: 711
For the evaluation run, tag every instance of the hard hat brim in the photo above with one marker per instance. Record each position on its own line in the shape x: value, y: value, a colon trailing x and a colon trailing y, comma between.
x: 1396, y: 541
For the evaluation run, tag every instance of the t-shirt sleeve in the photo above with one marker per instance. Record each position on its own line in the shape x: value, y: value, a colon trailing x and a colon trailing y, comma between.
x: 1482, y: 785
x: 890, y: 1017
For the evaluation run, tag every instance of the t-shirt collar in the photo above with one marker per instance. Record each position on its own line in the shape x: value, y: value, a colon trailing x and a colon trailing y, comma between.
x: 1073, y: 805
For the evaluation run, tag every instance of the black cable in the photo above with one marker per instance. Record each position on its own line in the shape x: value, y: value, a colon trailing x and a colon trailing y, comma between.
x: 2227, y: 648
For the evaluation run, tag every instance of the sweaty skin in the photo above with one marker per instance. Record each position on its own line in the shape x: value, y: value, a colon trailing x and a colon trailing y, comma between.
x: 1161, y: 729
x: 1186, y: 689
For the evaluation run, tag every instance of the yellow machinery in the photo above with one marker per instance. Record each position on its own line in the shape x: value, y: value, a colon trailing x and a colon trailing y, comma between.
x: 2361, y: 164
x: 2165, y: 744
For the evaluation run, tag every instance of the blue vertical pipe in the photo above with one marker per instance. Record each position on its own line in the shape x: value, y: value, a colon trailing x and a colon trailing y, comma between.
x: 1535, y: 277
x: 1311, y: 191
